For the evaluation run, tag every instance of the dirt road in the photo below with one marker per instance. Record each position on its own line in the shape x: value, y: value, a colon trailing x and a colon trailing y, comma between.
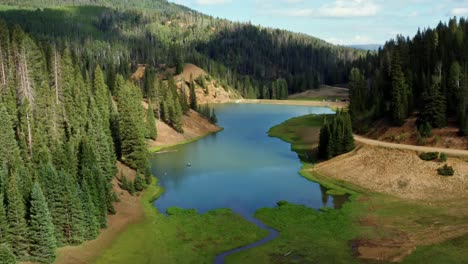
x: 452, y: 152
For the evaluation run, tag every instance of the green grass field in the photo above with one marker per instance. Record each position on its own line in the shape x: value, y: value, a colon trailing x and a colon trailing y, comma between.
x: 185, y: 237
x: 327, y: 236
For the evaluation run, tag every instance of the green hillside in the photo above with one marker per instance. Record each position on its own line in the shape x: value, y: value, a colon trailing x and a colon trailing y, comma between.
x: 244, y: 56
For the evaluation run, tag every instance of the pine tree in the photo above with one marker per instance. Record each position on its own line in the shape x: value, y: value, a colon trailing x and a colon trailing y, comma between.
x: 434, y: 106
x: 10, y: 152
x: 348, y: 138
x: 41, y: 228
x: 357, y: 85
x: 91, y: 224
x: 102, y: 98
x: 91, y: 177
x: 131, y: 126
x: 151, y: 131
x: 16, y: 213
x: 3, y: 221
x: 193, y: 95
x: 399, y: 92
x: 324, y: 140
x: 73, y: 226
x: 6, y: 255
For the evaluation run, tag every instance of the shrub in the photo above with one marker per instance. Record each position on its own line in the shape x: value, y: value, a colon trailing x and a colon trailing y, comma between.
x: 123, y: 182
x: 139, y: 183
x: 443, y: 157
x: 446, y: 170
x: 428, y: 156
x: 131, y: 187
x: 425, y: 129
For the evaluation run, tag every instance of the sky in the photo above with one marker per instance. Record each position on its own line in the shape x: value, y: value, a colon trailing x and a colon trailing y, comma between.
x: 344, y: 22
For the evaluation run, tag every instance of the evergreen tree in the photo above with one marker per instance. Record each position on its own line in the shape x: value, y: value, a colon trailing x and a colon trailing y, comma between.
x: 151, y: 130
x: 91, y: 223
x: 348, y: 138
x: 94, y: 181
x: 336, y: 137
x: 193, y: 95
x: 357, y: 86
x: 131, y: 126
x: 10, y: 151
x: 399, y: 91
x: 6, y: 255
x: 16, y: 213
x: 434, y: 106
x: 3, y: 222
x: 41, y: 228
x: 139, y: 183
x: 102, y: 98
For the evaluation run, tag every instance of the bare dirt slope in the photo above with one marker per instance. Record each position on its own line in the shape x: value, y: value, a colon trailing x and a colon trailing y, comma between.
x: 214, y: 92
x: 398, y: 172
x: 324, y: 93
x: 194, y: 126
x: 192, y: 70
x: 129, y: 210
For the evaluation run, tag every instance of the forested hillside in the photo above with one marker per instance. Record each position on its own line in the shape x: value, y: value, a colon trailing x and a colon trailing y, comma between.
x: 249, y: 58
x: 61, y: 133
x: 69, y: 107
x: 426, y: 75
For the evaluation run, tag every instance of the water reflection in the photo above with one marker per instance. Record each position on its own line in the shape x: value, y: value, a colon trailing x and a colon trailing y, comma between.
x: 241, y: 167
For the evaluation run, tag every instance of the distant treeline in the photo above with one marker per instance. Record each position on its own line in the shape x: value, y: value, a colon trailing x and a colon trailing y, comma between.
x: 246, y: 57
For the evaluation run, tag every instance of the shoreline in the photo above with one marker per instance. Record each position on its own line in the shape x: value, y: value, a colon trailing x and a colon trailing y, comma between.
x: 332, y: 105
x: 90, y: 251
x: 156, y: 149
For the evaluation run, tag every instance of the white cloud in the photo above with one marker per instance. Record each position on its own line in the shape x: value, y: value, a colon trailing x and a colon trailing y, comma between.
x: 338, y: 9
x: 354, y: 8
x: 212, y: 2
x: 459, y: 11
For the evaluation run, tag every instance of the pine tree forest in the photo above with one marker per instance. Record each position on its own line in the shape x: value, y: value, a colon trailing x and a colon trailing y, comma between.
x: 60, y: 129
x: 426, y: 76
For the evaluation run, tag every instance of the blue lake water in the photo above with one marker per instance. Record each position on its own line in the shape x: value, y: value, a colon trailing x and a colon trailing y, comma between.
x: 239, y: 168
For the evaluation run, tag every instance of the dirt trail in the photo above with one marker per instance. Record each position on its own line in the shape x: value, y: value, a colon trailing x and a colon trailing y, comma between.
x: 371, y: 142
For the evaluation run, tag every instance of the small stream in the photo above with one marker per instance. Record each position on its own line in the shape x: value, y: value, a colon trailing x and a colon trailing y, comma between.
x: 240, y: 168
x: 272, y: 234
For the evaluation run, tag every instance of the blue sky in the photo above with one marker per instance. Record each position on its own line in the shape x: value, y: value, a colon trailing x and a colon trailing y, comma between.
x: 338, y: 21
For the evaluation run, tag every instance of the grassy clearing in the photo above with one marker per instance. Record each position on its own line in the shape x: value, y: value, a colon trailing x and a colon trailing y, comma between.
x: 307, y: 236
x: 302, y: 133
x: 185, y: 237
x: 375, y: 225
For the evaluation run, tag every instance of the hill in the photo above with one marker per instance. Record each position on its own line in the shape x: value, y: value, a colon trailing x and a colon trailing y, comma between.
x: 250, y: 58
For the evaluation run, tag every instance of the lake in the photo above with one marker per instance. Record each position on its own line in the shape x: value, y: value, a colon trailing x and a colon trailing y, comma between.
x: 241, y: 168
